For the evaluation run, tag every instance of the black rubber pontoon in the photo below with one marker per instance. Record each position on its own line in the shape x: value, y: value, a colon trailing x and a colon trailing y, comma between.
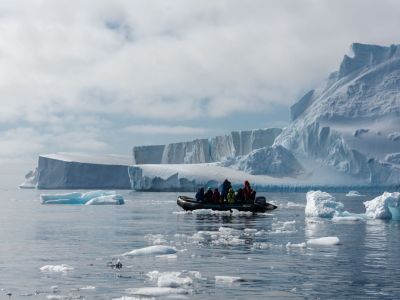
x: 259, y: 205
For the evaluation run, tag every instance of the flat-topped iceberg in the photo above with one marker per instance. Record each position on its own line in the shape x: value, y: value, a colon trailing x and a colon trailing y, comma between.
x: 90, y: 198
x: 386, y: 206
x: 80, y: 171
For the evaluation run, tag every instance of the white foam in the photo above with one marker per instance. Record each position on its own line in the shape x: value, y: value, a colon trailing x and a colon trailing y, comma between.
x: 151, y: 250
x: 56, y: 268
x: 379, y: 207
x: 321, y: 204
x: 324, y: 241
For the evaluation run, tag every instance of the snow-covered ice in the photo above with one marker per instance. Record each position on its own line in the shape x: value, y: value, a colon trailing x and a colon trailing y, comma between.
x: 322, y: 204
x: 385, y: 206
x: 151, y: 251
x: 89, y: 198
x: 324, y: 241
x: 56, y: 268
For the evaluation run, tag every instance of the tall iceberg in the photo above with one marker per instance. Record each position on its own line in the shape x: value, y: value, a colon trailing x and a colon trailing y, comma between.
x: 362, y: 97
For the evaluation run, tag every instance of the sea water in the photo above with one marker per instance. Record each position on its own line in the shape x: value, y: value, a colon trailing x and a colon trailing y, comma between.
x: 71, y: 251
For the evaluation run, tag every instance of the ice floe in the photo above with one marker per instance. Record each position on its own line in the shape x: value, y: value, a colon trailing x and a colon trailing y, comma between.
x: 158, y: 291
x: 151, y: 250
x: 284, y: 227
x: 227, y: 279
x: 290, y: 245
x: 324, y: 241
x: 385, y: 206
x: 89, y: 198
x: 170, y: 279
x: 56, y: 268
x: 322, y: 204
x: 353, y: 194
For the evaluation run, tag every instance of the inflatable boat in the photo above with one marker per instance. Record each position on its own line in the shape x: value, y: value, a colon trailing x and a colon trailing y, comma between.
x: 259, y: 205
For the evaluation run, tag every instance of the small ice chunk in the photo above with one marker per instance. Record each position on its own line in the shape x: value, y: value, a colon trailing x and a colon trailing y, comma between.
x: 227, y: 279
x: 384, y: 206
x: 151, y: 250
x: 321, y: 204
x: 324, y: 241
x: 157, y: 291
x: 353, y: 194
x: 56, y: 268
x: 173, y: 280
x: 88, y: 287
x: 300, y: 245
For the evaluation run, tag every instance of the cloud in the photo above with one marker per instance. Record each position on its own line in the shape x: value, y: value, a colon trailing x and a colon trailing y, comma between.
x: 164, y: 129
x: 169, y: 60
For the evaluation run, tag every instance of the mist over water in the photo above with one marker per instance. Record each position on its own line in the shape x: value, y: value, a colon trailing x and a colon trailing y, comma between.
x: 217, y: 254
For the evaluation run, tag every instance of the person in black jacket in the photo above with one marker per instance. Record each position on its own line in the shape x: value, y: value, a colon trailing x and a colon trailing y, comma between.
x: 200, y: 195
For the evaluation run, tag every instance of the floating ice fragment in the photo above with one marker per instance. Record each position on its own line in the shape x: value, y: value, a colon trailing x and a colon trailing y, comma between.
x: 151, y: 250
x: 321, y: 204
x: 173, y: 280
x: 386, y: 206
x: 107, y: 200
x: 324, y: 241
x: 90, y: 198
x: 300, y: 245
x: 157, y: 291
x: 227, y: 279
x: 56, y: 268
x: 353, y: 194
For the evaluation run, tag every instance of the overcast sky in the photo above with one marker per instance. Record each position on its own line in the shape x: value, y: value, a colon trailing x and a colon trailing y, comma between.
x: 102, y: 76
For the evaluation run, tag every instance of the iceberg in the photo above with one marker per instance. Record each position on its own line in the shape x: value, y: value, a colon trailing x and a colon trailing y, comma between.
x: 31, y: 180
x: 322, y: 204
x: 275, y: 161
x: 89, y: 198
x: 332, y: 123
x: 216, y: 149
x: 82, y: 171
x: 386, y: 206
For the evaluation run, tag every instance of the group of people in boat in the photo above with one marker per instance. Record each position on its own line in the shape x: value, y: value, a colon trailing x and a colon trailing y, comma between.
x: 227, y: 195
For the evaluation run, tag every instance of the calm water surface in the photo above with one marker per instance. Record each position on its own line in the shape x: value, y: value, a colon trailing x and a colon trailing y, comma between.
x: 366, y: 264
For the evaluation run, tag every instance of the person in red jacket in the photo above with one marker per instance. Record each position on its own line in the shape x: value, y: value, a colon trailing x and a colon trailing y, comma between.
x: 216, y: 197
x: 249, y: 194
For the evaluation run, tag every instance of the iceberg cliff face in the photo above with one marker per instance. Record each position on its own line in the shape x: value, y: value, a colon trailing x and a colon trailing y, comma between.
x: 275, y: 161
x: 216, y: 149
x: 346, y: 122
x: 68, y: 171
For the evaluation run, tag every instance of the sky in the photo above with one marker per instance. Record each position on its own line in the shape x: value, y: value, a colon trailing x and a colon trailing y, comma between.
x: 100, y: 76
